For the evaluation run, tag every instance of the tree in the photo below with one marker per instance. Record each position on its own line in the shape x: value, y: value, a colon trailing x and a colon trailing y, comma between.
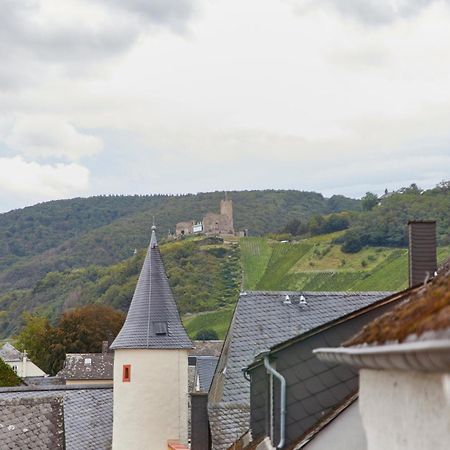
x: 7, y: 376
x: 81, y: 330
x: 293, y: 227
x: 84, y: 329
x: 206, y: 335
x: 369, y: 201
x: 36, y: 337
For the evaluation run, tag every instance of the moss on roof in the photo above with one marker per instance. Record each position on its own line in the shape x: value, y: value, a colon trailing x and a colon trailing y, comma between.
x: 7, y: 376
x: 426, y: 310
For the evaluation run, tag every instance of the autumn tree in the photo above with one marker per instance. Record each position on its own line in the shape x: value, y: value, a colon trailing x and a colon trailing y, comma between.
x: 81, y: 330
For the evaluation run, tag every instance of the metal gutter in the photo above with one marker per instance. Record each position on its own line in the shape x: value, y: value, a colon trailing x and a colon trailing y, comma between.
x: 424, y: 356
x: 280, y: 377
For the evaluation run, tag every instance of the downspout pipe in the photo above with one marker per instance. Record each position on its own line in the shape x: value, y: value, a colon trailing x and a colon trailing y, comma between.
x: 282, y: 381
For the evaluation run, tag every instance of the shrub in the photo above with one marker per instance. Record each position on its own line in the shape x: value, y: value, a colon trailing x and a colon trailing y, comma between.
x: 7, y: 376
x: 206, y: 334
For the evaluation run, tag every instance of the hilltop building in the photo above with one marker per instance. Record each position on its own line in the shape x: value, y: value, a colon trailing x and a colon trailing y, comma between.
x: 151, y: 365
x: 212, y: 223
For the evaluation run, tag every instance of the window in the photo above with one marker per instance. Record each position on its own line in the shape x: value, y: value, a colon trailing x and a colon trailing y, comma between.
x: 160, y: 328
x: 126, y: 373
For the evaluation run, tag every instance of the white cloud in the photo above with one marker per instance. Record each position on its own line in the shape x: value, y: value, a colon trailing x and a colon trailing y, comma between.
x: 46, y: 136
x: 254, y: 95
x: 31, y: 180
x: 371, y: 12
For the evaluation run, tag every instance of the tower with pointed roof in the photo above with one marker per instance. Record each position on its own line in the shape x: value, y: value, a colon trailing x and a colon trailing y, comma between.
x: 151, y: 365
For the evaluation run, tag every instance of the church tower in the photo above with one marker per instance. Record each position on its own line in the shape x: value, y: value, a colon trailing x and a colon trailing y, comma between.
x: 151, y: 365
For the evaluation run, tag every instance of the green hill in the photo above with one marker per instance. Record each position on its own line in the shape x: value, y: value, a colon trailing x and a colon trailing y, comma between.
x: 318, y: 264
x: 64, y: 234
x: 58, y: 255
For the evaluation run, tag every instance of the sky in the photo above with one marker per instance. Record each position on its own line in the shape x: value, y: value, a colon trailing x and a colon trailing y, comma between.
x: 177, y: 96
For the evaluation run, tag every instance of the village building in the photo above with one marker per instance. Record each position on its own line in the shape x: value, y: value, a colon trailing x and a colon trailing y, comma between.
x: 403, y: 358
x: 19, y: 362
x: 298, y: 401
x: 88, y: 368
x: 151, y: 365
x: 261, y: 321
x: 56, y: 417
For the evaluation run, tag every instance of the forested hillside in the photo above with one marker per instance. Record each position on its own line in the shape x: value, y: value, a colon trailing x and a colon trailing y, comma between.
x: 60, y: 235
x: 60, y: 255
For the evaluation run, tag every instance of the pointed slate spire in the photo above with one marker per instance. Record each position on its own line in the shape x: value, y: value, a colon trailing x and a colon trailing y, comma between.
x: 152, y: 321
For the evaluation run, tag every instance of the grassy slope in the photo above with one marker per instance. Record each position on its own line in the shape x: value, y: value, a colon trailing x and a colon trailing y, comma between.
x: 318, y: 264
x: 217, y: 321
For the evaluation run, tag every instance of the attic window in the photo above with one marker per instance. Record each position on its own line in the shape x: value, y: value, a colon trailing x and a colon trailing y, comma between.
x: 160, y: 328
x: 87, y: 361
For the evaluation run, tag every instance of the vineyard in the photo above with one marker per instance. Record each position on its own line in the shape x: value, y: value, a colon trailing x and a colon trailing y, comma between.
x: 317, y: 264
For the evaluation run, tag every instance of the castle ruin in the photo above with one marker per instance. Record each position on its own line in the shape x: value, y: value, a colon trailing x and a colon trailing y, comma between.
x: 212, y: 223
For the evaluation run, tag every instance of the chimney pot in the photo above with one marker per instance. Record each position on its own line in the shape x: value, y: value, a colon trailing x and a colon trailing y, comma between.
x: 105, y: 346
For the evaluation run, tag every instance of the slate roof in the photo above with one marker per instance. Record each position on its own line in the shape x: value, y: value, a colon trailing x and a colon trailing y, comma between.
x: 260, y: 321
x: 205, y: 369
x: 88, y: 366
x: 152, y: 320
x: 9, y: 353
x: 31, y: 423
x: 425, y: 311
x: 88, y: 412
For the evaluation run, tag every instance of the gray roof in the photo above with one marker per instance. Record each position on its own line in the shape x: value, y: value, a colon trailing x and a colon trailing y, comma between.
x: 88, y: 412
x: 205, y: 369
x: 152, y: 320
x: 31, y: 423
x: 9, y: 353
x: 88, y: 366
x: 260, y: 321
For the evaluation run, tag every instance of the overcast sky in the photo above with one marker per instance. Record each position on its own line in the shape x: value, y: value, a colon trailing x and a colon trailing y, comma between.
x: 173, y: 96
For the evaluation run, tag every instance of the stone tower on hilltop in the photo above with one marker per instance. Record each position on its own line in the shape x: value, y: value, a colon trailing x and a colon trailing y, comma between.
x: 151, y: 365
x: 226, y: 209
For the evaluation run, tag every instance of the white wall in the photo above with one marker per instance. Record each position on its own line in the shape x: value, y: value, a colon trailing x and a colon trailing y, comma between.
x: 26, y: 368
x: 152, y: 408
x: 345, y: 432
x: 405, y: 410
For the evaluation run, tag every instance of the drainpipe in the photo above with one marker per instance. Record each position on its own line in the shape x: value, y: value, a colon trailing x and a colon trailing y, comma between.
x: 280, y: 377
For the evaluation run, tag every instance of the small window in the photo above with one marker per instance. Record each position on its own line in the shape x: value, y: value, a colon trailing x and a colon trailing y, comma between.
x: 126, y: 374
x: 87, y: 361
x: 160, y: 328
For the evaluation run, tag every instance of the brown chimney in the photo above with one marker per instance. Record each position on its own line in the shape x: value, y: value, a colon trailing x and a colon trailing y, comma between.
x: 422, y: 250
x: 105, y: 346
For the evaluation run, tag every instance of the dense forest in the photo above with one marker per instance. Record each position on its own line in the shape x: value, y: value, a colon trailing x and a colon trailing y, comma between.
x: 382, y: 221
